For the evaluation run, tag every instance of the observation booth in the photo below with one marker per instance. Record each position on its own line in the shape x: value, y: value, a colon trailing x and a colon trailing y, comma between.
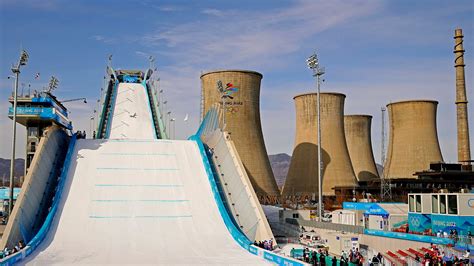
x: 386, y: 217
x: 441, y: 212
x: 37, y: 112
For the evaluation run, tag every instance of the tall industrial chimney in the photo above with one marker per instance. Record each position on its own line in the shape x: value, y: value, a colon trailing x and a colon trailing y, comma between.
x: 413, y: 138
x: 359, y: 143
x: 464, y: 148
x: 302, y: 178
x: 243, y: 123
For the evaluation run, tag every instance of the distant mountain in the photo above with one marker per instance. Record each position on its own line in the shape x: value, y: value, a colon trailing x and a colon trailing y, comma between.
x: 5, y: 167
x: 280, y: 164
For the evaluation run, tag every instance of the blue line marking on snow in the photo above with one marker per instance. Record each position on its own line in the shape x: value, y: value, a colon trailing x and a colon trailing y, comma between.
x: 133, y: 185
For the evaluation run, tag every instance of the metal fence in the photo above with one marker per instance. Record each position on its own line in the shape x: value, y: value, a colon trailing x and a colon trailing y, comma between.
x: 329, y: 226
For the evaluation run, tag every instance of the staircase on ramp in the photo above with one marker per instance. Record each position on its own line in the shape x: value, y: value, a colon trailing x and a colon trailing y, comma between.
x: 138, y: 201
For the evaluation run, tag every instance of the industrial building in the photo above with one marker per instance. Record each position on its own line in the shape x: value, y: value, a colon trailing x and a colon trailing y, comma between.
x: 241, y: 95
x: 359, y: 143
x: 302, y: 178
x: 413, y: 138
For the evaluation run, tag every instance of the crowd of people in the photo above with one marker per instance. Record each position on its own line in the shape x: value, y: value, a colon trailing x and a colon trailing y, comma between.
x: 322, y: 257
x: 438, y: 257
x: 7, y: 252
x: 81, y: 135
x: 266, y: 244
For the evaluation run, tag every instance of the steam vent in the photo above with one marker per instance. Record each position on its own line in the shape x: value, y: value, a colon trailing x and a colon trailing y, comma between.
x: 413, y: 140
x: 302, y: 178
x: 359, y: 143
x: 243, y: 123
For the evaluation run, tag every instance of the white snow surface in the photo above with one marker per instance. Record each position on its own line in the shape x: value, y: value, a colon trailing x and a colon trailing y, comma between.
x: 132, y: 115
x: 138, y: 202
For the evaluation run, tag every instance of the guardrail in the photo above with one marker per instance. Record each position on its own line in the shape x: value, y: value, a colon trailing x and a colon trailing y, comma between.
x: 329, y: 226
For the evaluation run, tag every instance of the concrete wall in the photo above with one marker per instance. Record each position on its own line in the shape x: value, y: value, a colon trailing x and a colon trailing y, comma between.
x: 243, y: 124
x: 359, y: 143
x: 240, y: 196
x: 302, y: 178
x: 413, y: 140
x: 32, y: 204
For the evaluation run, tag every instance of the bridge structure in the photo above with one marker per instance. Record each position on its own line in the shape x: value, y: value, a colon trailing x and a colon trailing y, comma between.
x: 132, y: 195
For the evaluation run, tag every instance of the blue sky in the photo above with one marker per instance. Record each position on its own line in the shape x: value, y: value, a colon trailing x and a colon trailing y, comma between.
x: 375, y: 52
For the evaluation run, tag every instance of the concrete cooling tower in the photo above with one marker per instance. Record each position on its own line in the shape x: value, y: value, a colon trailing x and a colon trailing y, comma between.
x: 242, y: 90
x: 413, y: 140
x: 359, y: 143
x: 302, y: 178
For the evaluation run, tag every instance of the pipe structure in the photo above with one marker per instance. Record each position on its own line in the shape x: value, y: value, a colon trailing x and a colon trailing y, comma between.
x: 242, y: 117
x: 357, y: 129
x: 464, y: 148
x: 302, y: 178
x: 413, y: 138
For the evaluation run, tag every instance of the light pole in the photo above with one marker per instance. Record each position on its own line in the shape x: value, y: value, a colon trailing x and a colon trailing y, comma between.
x: 91, y: 124
x: 16, y: 70
x: 168, y: 120
x: 152, y: 60
x: 318, y: 71
x: 172, y: 120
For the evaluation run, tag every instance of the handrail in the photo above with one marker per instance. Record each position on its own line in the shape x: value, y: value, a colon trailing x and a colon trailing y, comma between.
x: 161, y: 125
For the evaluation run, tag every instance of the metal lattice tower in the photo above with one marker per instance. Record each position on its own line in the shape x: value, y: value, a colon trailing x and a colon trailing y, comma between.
x: 385, y: 189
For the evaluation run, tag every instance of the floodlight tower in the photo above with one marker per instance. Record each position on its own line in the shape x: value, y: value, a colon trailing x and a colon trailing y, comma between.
x: 318, y: 71
x: 16, y: 70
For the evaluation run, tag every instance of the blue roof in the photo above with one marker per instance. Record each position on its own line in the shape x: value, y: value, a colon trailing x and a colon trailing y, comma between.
x: 5, y: 193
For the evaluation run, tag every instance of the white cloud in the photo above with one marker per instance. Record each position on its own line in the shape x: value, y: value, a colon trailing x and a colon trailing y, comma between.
x: 212, y: 12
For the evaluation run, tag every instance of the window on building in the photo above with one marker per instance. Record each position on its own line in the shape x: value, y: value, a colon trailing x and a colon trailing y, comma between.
x: 452, y: 204
x: 411, y: 203
x: 442, y: 203
x: 296, y: 215
x: 434, y: 203
x: 418, y: 203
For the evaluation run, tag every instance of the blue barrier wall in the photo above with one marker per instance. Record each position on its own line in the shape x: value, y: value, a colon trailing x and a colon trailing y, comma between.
x: 412, y: 237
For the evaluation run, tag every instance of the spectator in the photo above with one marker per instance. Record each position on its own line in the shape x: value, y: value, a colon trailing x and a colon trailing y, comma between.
x: 84, y: 134
x: 334, y: 261
x: 375, y: 260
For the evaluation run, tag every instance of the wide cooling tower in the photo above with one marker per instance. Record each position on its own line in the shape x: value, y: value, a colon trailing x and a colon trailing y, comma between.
x: 302, y: 178
x: 242, y: 103
x: 413, y: 140
x: 359, y: 144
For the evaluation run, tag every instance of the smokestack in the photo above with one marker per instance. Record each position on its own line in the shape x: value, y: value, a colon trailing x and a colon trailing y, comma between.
x: 464, y: 148
x: 243, y: 123
x: 359, y: 143
x: 302, y: 178
x: 413, y: 138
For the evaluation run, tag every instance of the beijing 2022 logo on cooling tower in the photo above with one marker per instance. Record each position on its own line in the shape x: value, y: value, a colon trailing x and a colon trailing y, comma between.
x: 228, y: 93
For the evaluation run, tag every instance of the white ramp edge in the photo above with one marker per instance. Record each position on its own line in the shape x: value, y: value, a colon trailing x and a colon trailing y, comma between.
x: 239, y: 193
x: 131, y: 116
x: 136, y: 202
